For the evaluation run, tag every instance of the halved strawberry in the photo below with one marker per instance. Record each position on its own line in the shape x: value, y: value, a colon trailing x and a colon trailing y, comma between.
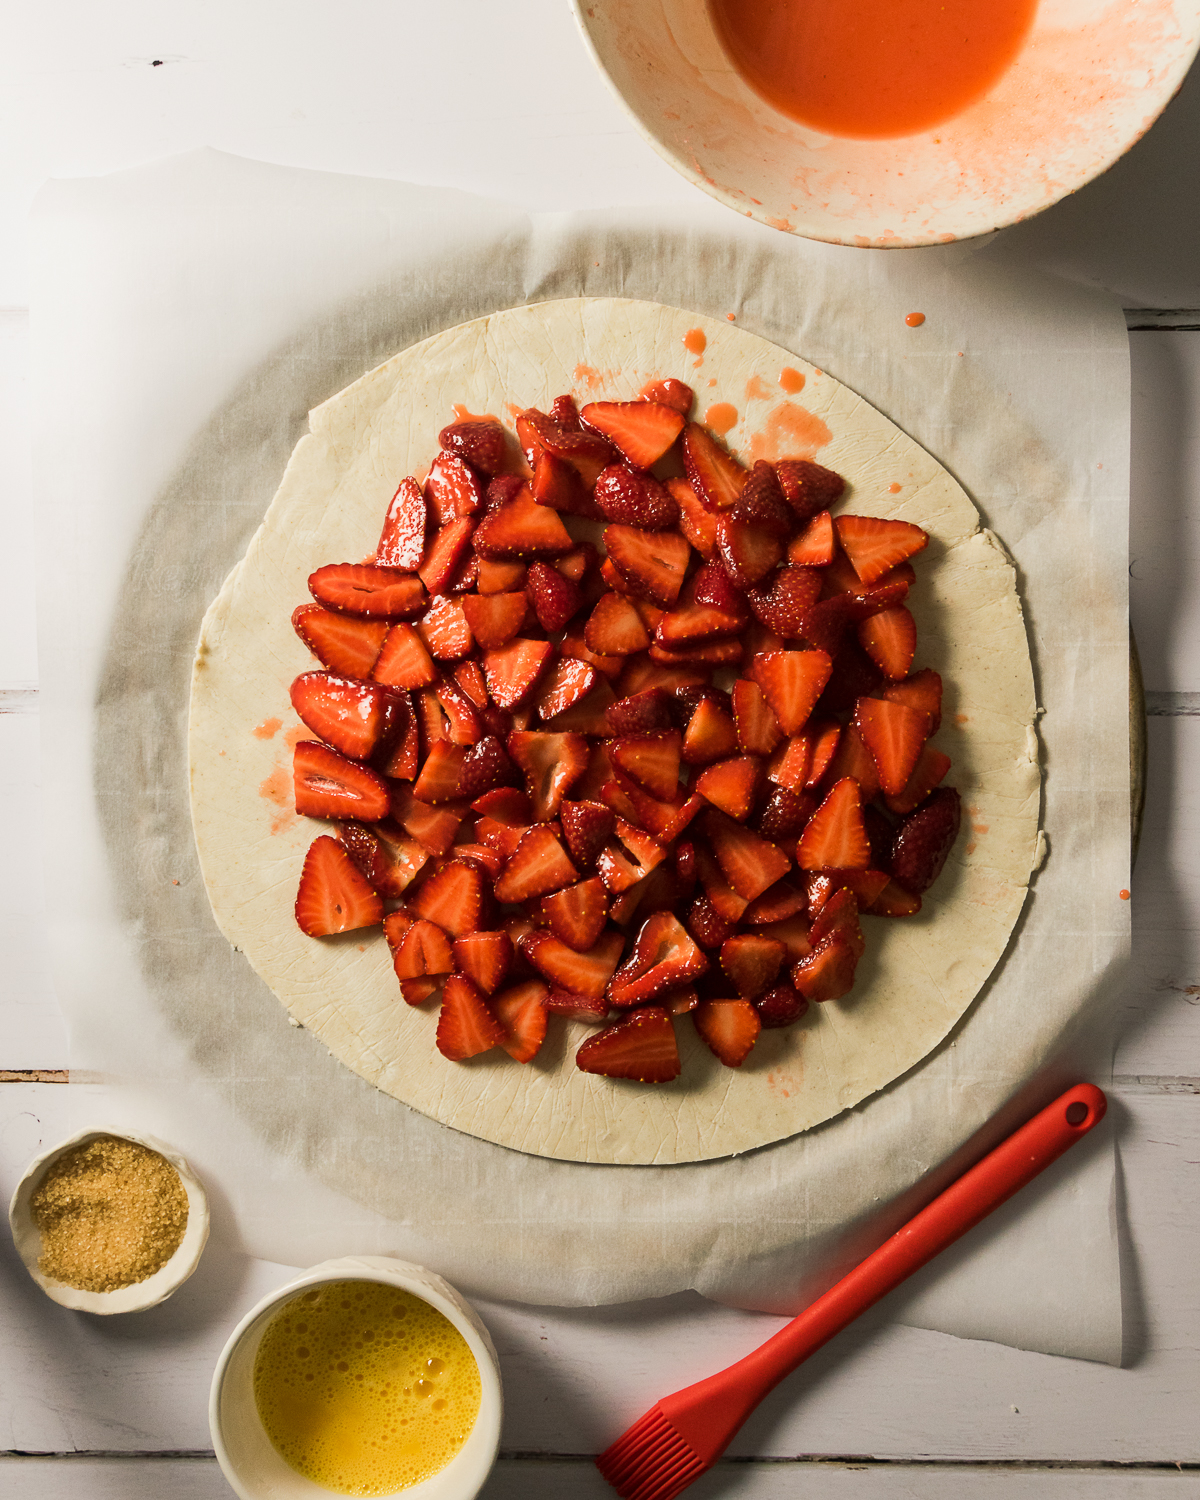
x: 423, y: 949
x: 641, y: 430
x: 652, y: 563
x: 664, y: 956
x: 444, y: 552
x: 389, y: 858
x: 581, y: 973
x: 781, y: 1006
x: 808, y: 487
x: 537, y: 866
x: 825, y: 736
x: 827, y: 973
x: 577, y: 913
x: 485, y: 767
x: 586, y: 827
x: 362, y: 589
x: 404, y: 660
x: 714, y: 474
x: 615, y: 628
x: 444, y: 629
x: 348, y: 714
x: 642, y: 1047
x: 500, y: 575
x: 711, y: 735
x: 587, y: 452
x: 434, y: 828
x: 696, y: 521
x: 758, y: 729
x: 730, y: 1028
x: 482, y: 443
x: 922, y: 690
x: 750, y: 863
x: 874, y: 546
x: 452, y: 490
x: 751, y: 961
x: 835, y: 838
x: 452, y: 897
x: 327, y: 785
x: 441, y: 773
x: 522, y: 528
x: 567, y: 683
x: 343, y: 643
x: 895, y: 735
x: 521, y: 1011
x: 402, y: 541
x: 791, y: 762
x: 635, y: 499
x: 334, y: 896
x: 640, y: 713
x: 792, y: 681
x: 466, y: 1027
x: 924, y: 840
x: 890, y: 640
x: 929, y: 772
x: 555, y: 598
x: 669, y: 392
x: 731, y: 785
x: 494, y: 618
x: 815, y: 546
x: 512, y: 670
x: 652, y: 760
x: 552, y: 764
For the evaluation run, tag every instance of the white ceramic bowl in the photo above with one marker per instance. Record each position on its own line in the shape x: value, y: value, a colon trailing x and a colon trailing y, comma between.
x: 1092, y: 77
x: 142, y: 1294
x: 249, y: 1461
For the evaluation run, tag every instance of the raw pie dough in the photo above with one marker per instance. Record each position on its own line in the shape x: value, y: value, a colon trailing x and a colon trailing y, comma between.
x: 918, y: 976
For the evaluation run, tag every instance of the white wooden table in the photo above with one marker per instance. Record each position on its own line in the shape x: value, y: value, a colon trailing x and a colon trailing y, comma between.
x: 504, y: 101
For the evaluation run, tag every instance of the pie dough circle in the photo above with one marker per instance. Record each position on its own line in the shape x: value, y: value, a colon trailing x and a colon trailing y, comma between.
x: 918, y: 976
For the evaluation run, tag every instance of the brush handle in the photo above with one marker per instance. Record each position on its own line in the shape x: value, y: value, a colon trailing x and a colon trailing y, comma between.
x: 712, y: 1410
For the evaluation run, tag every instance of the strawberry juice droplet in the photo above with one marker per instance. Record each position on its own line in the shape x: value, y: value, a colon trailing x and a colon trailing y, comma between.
x: 694, y: 341
x: 721, y: 417
x: 791, y: 380
x: 914, y: 320
x: 893, y: 488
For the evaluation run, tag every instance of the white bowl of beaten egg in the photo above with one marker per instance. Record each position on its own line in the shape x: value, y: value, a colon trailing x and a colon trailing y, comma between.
x: 364, y: 1376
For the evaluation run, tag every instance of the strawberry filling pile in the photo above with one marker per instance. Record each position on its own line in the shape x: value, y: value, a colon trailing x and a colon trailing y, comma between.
x: 619, y: 787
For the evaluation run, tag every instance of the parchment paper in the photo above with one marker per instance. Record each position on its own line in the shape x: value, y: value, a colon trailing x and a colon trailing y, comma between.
x: 186, y: 317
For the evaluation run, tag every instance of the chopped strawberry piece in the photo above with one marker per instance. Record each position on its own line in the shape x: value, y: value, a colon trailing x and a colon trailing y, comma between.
x: 895, y: 735
x: 462, y: 720
x: 334, y: 896
x: 512, y: 670
x: 808, y: 487
x: 445, y: 630
x: 401, y: 757
x: 750, y: 863
x: 521, y: 1012
x: 835, y: 838
x: 347, y: 714
x: 485, y: 767
x: 652, y: 563
x: 853, y: 759
x: 615, y: 628
x: 814, y: 547
x: 922, y: 690
x: 423, y: 949
x: 498, y: 575
x: 624, y: 863
x: 403, y: 539
x: 758, y: 729
x: 693, y: 623
x: 395, y: 925
x: 894, y: 901
x: 641, y: 1047
x: 640, y: 713
x: 482, y: 444
x: 567, y: 683
x: 696, y: 521
x: 577, y: 913
x: 718, y: 653
x: 635, y: 499
x: 577, y: 563
x: 577, y: 1007
x: 489, y: 860
x: 452, y: 897
x: 828, y: 620
x: 343, y: 643
x: 466, y: 1027
x: 507, y: 804
x: 786, y: 814
x: 706, y: 924
x: 929, y: 772
x: 777, y: 904
x: 555, y: 598
x: 827, y: 973
x: 503, y: 838
x: 537, y: 866
x: 404, y: 661
x: 641, y: 430
x: 417, y: 991
x: 452, y: 490
x: 664, y: 956
x: 669, y: 392
x: 731, y: 785
x: 890, y: 640
x: 494, y: 618
x: 724, y: 899
x: 781, y: 1006
x: 924, y: 840
x: 839, y: 918
x: 874, y: 546
x: 362, y: 589
x: 552, y: 764
x: 642, y: 672
x: 557, y: 485
x: 581, y: 973
x: 880, y: 835
x: 587, y: 452
x: 586, y: 827
x: 751, y: 961
x: 440, y: 774
x: 792, y: 932
x: 434, y: 828
x: 791, y: 762
x: 652, y: 760
x: 826, y: 737
x: 749, y: 549
x: 389, y: 859
x: 784, y: 598
x: 327, y: 785
x: 710, y: 736
x: 865, y: 884
x: 444, y: 553
x: 792, y: 681
x: 730, y: 1028
x: 714, y: 474
x: 522, y: 528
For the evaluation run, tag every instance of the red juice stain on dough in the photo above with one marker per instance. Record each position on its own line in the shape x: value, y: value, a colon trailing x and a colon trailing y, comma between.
x: 790, y: 431
x: 694, y: 341
x: 791, y: 380
x: 757, y: 390
x: 872, y: 69
x: 294, y: 735
x: 914, y: 320
x: 720, y: 417
x: 592, y: 377
x: 894, y: 488
x: 268, y: 729
x: 461, y: 414
x: 277, y: 788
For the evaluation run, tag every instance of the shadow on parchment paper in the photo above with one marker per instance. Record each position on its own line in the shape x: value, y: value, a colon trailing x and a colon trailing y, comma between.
x: 348, y: 1134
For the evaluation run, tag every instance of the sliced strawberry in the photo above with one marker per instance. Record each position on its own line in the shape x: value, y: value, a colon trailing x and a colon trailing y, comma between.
x: 669, y: 392
x: 692, y: 623
x: 696, y: 521
x: 642, y: 672
x: 751, y: 961
x: 839, y: 918
x: 445, y: 630
x: 557, y: 485
x: 815, y: 546
x: 434, y: 828
x: 853, y: 759
x: 440, y: 774
x: 628, y: 859
x: 343, y: 643
x: 641, y: 430
x: 731, y: 785
x: 835, y: 838
x: 578, y: 563
x: 466, y: 1027
x: 512, y: 670
x: 485, y: 767
x: 401, y: 759
x: 577, y: 914
x: 423, y: 949
x: 537, y: 866
x: 707, y: 925
x: 781, y: 1006
x: 555, y: 598
x: 652, y: 760
x: 922, y: 690
x: 642, y: 1047
x: 711, y: 735
x: 894, y: 901
x: 444, y: 552
x: 347, y: 714
x: 635, y: 500
x: 791, y: 762
x: 522, y: 528
x: 640, y: 713
x: 521, y: 1011
x: 730, y: 1028
x: 389, y: 859
x: 587, y: 452
x: 362, y: 589
x: 587, y: 827
x: 334, y: 896
x: 758, y: 728
x: 494, y: 618
x: 890, y: 640
x: 452, y: 897
x: 403, y: 538
x: 502, y: 838
x: 463, y: 726
x: 880, y: 835
x: 750, y: 863
x: 895, y: 735
x: 327, y: 785
x: 714, y: 474
x: 507, y: 804
x: 452, y: 490
x: 567, y: 683
x: 924, y: 840
x: 586, y: 715
x: 726, y: 902
x: 481, y: 443
x: 929, y: 772
x: 615, y: 628
x: 874, y: 546
x: 808, y: 487
x: 748, y: 548
x: 825, y: 737
x: 866, y: 886
x: 783, y: 599
x: 581, y: 973
x: 498, y: 575
x: 652, y: 563
x: 792, y: 932
x: 828, y: 620
x: 776, y: 904
x: 827, y: 973
x: 395, y: 925
x: 792, y: 681
x: 577, y: 1007
x: 489, y: 860
x: 664, y: 956
x: 404, y: 660
x: 552, y: 764
x: 786, y: 814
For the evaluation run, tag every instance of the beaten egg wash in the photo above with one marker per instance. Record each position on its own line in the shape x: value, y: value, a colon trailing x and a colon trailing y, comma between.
x: 365, y: 1389
x: 872, y: 68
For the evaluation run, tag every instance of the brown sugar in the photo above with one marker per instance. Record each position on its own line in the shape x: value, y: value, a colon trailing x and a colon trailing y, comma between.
x: 111, y: 1213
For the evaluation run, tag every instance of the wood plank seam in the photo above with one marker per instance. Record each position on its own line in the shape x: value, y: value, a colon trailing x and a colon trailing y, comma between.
x: 1162, y: 319
x: 1171, y: 705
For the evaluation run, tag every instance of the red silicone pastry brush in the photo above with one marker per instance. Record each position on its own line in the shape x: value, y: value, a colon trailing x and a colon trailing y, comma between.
x: 682, y: 1435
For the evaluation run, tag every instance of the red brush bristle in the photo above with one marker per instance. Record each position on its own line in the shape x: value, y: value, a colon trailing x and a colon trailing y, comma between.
x: 650, y: 1461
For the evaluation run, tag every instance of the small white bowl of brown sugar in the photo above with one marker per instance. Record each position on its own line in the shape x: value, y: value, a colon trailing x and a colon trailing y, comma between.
x: 109, y: 1223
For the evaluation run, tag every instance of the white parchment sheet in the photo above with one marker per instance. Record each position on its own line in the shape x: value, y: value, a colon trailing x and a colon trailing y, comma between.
x: 186, y: 317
